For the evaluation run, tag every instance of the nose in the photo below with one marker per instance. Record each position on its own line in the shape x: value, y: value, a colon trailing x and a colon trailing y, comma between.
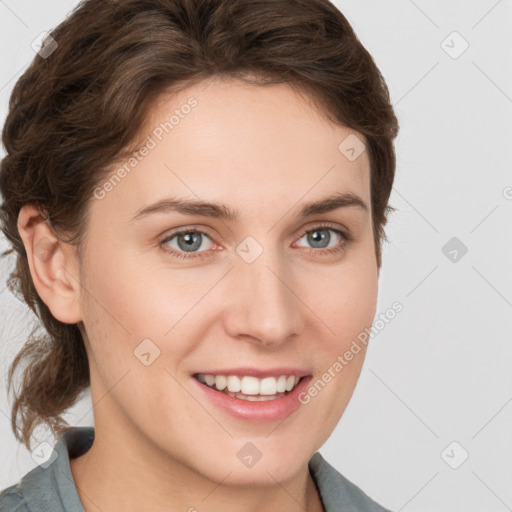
x: 263, y: 307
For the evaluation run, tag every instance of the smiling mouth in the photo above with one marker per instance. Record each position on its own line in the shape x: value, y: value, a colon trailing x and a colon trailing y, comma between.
x: 250, y: 388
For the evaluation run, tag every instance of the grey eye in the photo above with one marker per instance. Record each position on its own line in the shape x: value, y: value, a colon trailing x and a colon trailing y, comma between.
x: 187, y: 241
x: 319, y: 238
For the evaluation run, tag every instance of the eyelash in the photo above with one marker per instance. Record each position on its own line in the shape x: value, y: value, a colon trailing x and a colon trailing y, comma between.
x: 346, y: 238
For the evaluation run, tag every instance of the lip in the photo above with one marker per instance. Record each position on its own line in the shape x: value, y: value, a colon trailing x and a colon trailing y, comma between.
x: 256, y: 412
x: 256, y: 372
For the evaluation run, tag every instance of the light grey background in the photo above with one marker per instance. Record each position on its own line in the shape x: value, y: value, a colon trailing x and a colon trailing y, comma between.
x: 441, y: 370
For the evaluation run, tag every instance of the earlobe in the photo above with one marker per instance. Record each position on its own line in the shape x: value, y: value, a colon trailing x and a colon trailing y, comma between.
x: 52, y: 265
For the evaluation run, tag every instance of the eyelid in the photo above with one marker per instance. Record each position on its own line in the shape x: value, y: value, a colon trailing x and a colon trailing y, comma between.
x: 325, y: 225
x: 318, y: 225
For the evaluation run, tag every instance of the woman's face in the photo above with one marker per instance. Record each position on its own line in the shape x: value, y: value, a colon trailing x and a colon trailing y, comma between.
x: 250, y: 294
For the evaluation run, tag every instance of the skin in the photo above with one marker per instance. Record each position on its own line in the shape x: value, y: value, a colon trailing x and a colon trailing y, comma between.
x: 265, y: 152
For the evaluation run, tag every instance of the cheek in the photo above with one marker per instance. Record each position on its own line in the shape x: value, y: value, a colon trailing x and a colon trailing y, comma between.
x: 345, y: 299
x: 129, y: 301
x: 347, y: 306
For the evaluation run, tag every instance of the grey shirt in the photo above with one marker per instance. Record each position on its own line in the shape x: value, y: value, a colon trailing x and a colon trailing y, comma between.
x: 50, y: 487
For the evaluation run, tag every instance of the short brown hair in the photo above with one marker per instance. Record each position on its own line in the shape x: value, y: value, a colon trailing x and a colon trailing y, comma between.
x: 76, y: 111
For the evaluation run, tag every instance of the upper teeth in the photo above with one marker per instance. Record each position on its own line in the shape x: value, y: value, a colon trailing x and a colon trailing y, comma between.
x: 249, y: 385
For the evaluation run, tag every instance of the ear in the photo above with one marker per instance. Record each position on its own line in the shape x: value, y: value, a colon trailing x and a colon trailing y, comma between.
x: 53, y: 265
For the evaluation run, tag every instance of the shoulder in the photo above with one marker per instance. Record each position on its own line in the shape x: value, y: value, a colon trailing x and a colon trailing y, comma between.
x: 49, y: 487
x: 337, y: 492
x: 12, y: 500
x: 33, y: 493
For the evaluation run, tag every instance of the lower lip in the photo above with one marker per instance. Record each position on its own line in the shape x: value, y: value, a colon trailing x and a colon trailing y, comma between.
x: 256, y: 412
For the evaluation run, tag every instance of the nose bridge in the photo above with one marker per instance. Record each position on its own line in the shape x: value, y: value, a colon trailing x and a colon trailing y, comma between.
x: 264, y: 306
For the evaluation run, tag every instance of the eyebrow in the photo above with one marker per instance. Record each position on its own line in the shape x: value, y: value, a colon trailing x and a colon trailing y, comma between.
x: 221, y: 211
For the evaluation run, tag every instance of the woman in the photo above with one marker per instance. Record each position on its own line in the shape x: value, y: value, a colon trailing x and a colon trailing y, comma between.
x: 197, y: 193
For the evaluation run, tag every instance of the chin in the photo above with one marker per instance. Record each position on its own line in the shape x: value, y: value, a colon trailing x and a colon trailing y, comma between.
x: 251, y: 466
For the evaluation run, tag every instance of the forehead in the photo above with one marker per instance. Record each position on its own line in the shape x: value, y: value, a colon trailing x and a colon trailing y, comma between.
x: 250, y: 145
